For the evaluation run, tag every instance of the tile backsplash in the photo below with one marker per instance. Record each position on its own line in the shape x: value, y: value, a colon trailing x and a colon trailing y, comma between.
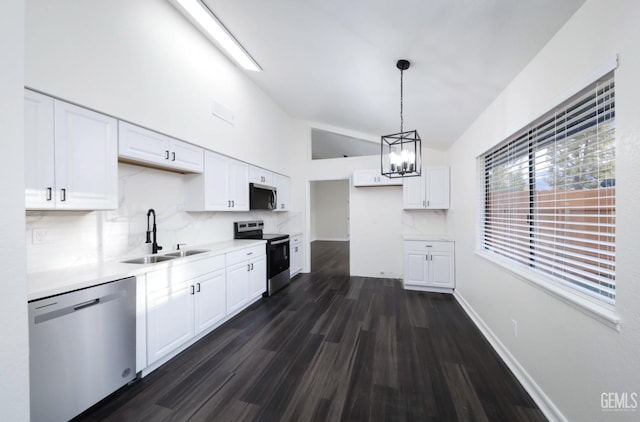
x: 70, y: 238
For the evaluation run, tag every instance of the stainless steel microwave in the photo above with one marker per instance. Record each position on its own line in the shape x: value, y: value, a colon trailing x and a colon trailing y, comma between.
x: 262, y: 197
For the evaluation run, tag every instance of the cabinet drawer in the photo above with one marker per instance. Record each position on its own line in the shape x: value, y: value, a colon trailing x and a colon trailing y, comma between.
x: 180, y: 273
x: 296, y: 240
x: 425, y: 245
x: 245, y: 254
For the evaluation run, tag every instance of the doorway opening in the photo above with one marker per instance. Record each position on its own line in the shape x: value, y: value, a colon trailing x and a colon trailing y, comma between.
x: 329, y: 223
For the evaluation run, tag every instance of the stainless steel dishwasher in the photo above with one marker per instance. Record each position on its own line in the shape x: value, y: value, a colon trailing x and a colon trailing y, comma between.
x: 82, y: 348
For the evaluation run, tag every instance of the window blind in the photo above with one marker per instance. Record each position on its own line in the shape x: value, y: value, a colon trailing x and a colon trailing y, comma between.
x: 549, y: 193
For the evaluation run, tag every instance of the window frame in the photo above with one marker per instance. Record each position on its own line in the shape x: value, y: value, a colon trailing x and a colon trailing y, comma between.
x: 594, y: 305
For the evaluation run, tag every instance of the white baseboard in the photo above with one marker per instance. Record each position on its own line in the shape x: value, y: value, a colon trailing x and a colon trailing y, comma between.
x: 542, y: 400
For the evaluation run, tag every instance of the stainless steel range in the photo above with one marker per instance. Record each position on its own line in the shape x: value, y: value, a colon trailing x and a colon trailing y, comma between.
x: 278, y: 275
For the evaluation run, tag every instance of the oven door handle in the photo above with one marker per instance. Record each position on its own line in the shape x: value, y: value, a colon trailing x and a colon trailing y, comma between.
x: 278, y: 242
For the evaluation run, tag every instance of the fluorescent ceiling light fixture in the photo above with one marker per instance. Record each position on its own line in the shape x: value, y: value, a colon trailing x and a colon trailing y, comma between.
x: 206, y: 21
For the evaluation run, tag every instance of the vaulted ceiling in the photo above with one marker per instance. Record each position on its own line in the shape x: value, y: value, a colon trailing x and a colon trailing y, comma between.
x: 333, y: 61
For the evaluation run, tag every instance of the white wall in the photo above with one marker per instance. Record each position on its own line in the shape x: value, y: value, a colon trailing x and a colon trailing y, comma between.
x: 14, y: 349
x: 330, y: 210
x: 377, y: 221
x: 142, y: 61
x: 571, y: 357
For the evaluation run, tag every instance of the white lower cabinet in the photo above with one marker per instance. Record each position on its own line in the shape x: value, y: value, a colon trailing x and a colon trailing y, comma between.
x: 237, y: 286
x: 296, y: 255
x: 169, y: 318
x: 429, y: 266
x: 257, y: 277
x: 183, y: 301
x: 210, y: 300
x: 246, y: 277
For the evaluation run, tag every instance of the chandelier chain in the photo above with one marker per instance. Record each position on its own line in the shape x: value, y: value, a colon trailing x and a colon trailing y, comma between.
x: 401, y: 102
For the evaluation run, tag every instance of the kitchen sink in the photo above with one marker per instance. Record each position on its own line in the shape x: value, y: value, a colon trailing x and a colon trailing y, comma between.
x: 149, y: 259
x: 187, y: 252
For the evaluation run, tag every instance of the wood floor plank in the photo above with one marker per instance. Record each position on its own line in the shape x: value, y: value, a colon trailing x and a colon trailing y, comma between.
x: 332, y: 347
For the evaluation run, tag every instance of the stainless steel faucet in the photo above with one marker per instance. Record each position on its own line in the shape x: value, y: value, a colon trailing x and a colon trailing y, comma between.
x: 154, y: 245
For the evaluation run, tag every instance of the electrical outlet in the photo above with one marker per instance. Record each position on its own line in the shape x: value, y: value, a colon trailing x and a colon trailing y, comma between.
x: 39, y: 236
x: 515, y: 327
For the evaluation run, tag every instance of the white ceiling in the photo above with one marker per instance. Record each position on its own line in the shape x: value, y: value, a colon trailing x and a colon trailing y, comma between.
x: 333, y: 61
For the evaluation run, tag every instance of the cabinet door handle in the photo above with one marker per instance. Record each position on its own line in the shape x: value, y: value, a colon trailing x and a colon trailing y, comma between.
x: 427, y: 246
x: 252, y: 266
x: 233, y: 203
x: 427, y: 203
x: 166, y: 154
x: 228, y: 204
x: 248, y: 267
x: 198, y: 288
x: 173, y: 156
x: 63, y: 194
x: 193, y: 290
x: 424, y: 203
x: 49, y: 194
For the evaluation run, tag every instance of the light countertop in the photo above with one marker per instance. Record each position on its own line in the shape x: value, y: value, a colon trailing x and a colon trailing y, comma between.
x: 429, y: 237
x: 48, y: 283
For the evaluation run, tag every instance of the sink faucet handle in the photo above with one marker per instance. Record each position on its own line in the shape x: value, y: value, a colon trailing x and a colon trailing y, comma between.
x: 180, y: 244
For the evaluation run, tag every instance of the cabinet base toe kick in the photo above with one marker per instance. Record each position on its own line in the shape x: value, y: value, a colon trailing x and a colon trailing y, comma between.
x: 429, y: 289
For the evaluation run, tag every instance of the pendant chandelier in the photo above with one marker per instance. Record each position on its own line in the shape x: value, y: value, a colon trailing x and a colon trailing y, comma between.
x: 401, y: 153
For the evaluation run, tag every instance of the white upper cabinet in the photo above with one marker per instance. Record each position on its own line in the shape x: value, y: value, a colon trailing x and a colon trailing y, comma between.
x: 373, y: 177
x: 237, y: 179
x: 260, y: 176
x: 70, y: 156
x: 39, y: 151
x: 283, y: 187
x: 429, y: 191
x: 145, y: 146
x: 224, y: 185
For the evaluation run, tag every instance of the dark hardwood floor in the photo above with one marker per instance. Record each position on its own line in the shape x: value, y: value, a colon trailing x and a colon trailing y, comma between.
x: 332, y: 347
